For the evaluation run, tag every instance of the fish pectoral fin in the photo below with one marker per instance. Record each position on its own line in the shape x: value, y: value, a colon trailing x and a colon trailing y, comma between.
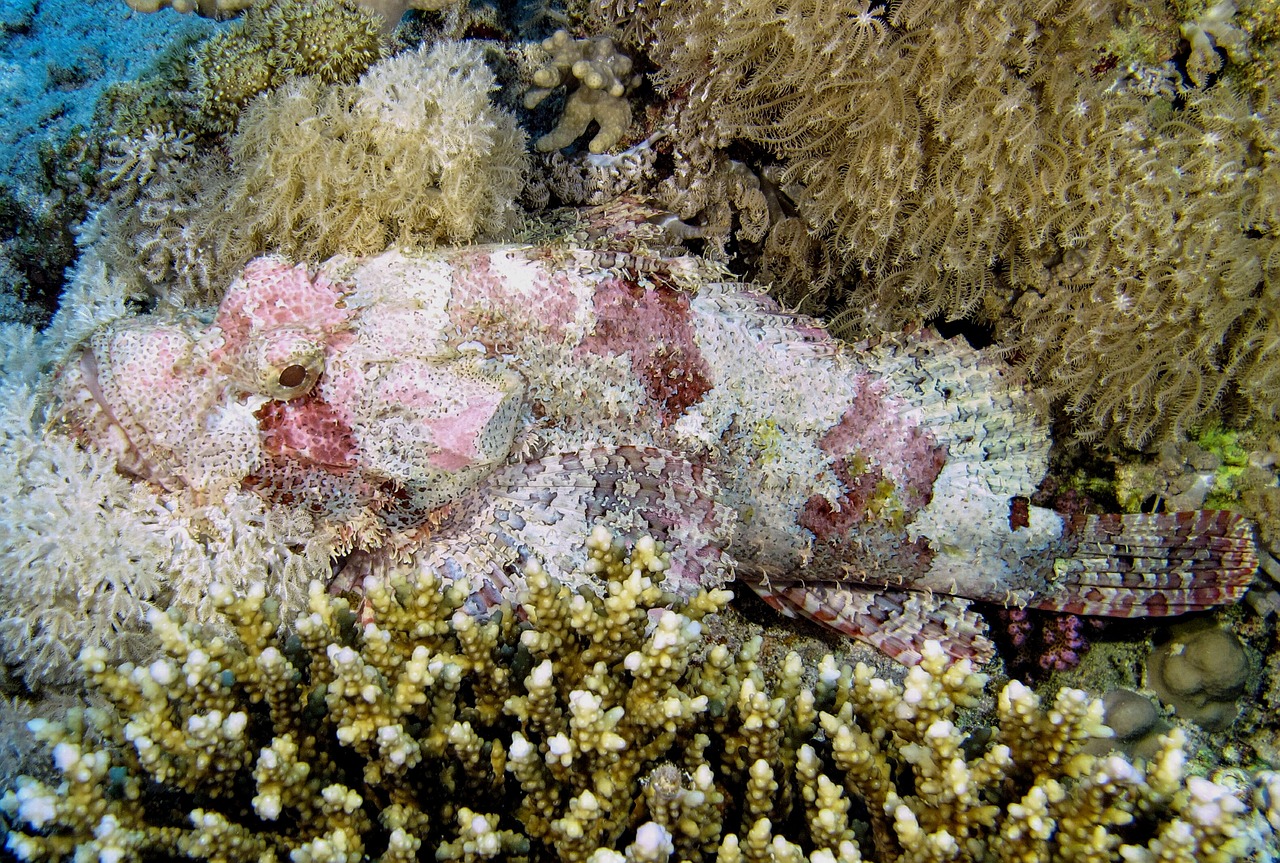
x: 552, y: 503
x: 897, y: 622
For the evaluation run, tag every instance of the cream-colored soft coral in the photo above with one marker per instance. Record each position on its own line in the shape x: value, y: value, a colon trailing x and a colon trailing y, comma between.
x: 1213, y: 30
x: 448, y: 163
x: 603, y: 79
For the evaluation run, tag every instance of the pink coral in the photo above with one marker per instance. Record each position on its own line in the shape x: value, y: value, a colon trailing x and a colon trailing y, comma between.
x: 1039, y: 641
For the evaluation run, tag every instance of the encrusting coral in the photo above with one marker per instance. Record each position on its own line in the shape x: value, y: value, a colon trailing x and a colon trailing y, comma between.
x: 1001, y: 161
x: 599, y: 77
x: 576, y: 727
x: 1202, y: 672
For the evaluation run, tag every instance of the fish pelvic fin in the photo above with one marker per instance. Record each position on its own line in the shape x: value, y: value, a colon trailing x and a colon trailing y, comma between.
x: 897, y: 622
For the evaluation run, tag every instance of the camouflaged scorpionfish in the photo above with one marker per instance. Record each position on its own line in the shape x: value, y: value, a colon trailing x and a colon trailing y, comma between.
x: 475, y: 404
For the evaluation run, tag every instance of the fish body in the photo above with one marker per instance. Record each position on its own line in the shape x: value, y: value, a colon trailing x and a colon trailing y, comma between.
x: 475, y: 406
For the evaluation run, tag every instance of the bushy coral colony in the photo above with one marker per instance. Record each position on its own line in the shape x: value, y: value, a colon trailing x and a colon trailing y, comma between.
x: 575, y: 727
x: 1062, y: 170
x: 368, y: 498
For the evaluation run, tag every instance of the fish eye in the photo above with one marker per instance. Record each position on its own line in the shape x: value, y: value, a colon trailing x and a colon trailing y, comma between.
x: 283, y: 363
x: 292, y: 376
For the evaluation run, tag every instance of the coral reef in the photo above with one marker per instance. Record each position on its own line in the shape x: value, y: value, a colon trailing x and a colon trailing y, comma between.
x: 1044, y: 640
x: 1135, y: 722
x: 181, y: 216
x: 388, y: 12
x: 1201, y: 672
x: 599, y: 78
x: 206, y: 8
x: 36, y: 234
x: 161, y: 97
x: 59, y: 58
x: 332, y: 40
x: 989, y: 160
x: 147, y: 231
x: 596, y: 178
x: 449, y: 165
x: 1207, y: 34
x: 581, y: 728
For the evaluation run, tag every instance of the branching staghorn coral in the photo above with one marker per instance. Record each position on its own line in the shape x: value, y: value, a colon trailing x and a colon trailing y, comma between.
x: 997, y: 161
x: 578, y: 727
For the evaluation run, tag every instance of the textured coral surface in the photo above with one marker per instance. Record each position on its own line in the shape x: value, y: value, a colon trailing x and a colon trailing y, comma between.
x: 579, y: 730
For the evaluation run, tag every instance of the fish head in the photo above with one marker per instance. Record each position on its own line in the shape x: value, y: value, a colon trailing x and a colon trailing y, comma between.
x: 291, y: 393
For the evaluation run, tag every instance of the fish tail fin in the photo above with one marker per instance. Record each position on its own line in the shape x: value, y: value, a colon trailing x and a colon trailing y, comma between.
x: 1152, y: 565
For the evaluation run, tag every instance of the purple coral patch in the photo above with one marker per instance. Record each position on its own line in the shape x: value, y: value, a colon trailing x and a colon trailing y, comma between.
x: 653, y: 325
x: 1043, y: 640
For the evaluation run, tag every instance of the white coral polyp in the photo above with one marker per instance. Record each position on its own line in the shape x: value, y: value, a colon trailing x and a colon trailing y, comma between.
x: 429, y: 87
x: 37, y: 806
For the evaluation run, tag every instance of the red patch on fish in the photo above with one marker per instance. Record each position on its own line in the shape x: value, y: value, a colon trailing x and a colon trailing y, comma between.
x: 654, y: 326
x: 309, y: 430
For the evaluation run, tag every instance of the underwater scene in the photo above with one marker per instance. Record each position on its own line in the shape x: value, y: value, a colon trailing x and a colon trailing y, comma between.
x: 639, y: 430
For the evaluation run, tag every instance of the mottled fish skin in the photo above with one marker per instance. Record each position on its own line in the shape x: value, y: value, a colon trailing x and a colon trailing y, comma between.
x: 494, y: 402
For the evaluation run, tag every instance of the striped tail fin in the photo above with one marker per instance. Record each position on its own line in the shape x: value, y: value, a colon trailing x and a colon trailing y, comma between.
x: 1153, y: 565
